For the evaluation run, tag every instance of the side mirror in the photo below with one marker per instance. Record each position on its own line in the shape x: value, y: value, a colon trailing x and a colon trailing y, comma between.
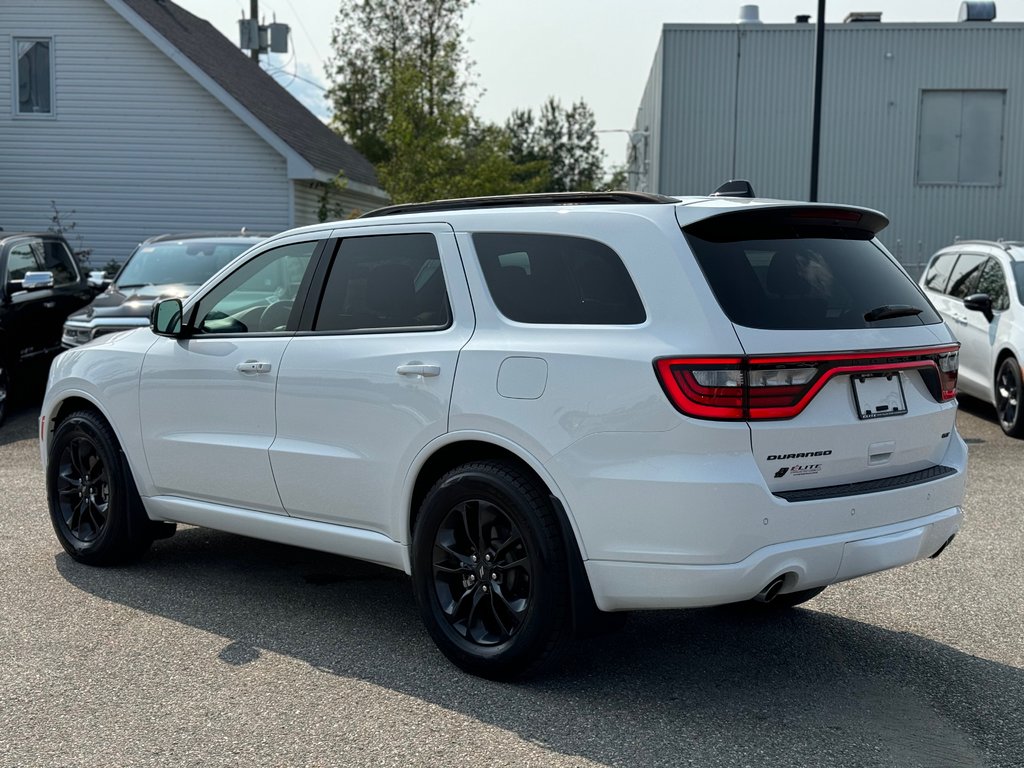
x: 98, y: 280
x: 980, y: 302
x: 36, y: 281
x: 165, y: 318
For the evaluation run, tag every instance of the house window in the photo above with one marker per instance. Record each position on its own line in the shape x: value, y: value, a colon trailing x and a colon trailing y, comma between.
x: 960, y: 137
x: 34, y: 59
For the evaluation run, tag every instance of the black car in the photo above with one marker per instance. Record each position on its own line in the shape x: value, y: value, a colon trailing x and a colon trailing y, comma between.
x: 165, y: 266
x: 41, y: 286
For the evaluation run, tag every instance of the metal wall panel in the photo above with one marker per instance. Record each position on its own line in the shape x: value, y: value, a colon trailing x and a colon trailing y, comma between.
x: 643, y: 171
x: 737, y: 101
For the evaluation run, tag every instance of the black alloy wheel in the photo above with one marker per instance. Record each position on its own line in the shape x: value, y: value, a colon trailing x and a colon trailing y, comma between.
x: 490, y: 570
x: 482, y: 573
x: 1008, y: 398
x: 94, y: 505
x: 83, y: 489
x: 5, y: 389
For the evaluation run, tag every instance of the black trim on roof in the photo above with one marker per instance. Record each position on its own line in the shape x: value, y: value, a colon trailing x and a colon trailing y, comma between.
x: 522, y: 201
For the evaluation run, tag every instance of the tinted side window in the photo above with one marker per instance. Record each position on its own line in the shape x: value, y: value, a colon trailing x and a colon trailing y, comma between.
x: 938, y: 272
x: 993, y: 282
x: 21, y: 259
x: 557, y: 279
x: 963, y: 280
x: 258, y: 296
x: 384, y: 281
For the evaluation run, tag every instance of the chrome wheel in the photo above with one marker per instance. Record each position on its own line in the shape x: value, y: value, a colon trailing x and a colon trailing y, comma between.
x: 83, y: 489
x: 1008, y: 397
x: 482, y: 573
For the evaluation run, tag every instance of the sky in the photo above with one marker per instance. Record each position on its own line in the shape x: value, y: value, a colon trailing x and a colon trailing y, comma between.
x: 524, y: 51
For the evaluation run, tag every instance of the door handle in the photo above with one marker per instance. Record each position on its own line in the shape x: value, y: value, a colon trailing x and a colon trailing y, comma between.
x: 253, y: 366
x: 417, y: 369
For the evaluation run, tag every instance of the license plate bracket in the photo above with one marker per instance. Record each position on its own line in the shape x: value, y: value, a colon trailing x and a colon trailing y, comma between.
x: 878, y: 395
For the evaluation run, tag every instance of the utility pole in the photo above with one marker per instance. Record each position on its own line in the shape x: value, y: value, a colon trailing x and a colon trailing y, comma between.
x: 254, y: 13
x: 819, y: 56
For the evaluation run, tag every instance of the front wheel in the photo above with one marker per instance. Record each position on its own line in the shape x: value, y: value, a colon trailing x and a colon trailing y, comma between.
x: 490, y: 571
x: 1008, y: 398
x: 94, y: 506
x: 5, y: 388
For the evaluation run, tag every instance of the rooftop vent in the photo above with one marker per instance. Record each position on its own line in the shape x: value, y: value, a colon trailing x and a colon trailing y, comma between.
x: 803, y: 18
x: 857, y: 17
x: 977, y: 11
x: 749, y: 14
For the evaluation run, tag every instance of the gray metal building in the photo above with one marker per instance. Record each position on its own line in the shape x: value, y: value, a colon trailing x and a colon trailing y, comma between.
x: 921, y: 121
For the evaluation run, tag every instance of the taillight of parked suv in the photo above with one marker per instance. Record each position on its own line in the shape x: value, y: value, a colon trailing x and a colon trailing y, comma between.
x: 780, y: 387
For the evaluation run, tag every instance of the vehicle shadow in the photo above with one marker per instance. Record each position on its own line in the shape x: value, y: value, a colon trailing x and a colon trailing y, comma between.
x: 700, y: 687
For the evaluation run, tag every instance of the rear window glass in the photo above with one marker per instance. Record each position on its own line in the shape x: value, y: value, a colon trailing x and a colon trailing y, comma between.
x: 816, y: 281
x: 559, y: 279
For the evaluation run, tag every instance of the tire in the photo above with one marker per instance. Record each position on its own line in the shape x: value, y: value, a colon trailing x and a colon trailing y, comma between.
x: 94, y: 505
x: 788, y: 600
x: 1009, y: 398
x: 5, y: 391
x: 490, y: 571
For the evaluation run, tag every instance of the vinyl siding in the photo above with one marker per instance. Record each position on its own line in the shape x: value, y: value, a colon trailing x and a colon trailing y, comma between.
x: 136, y: 146
x: 737, y: 102
x: 345, y: 204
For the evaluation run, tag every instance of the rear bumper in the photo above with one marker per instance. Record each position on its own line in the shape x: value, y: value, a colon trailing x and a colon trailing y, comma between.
x: 815, y: 562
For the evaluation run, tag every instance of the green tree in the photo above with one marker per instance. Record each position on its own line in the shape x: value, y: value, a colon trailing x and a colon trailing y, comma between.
x: 563, y: 140
x: 375, y: 44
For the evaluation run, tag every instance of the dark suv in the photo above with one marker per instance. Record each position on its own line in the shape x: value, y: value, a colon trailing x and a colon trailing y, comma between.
x: 161, y: 267
x: 41, y: 286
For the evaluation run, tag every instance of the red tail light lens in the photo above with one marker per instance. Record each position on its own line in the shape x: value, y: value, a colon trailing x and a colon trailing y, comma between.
x: 761, y: 388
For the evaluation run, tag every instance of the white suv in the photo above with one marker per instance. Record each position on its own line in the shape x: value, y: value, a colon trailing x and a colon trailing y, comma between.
x: 978, y: 288
x: 542, y: 408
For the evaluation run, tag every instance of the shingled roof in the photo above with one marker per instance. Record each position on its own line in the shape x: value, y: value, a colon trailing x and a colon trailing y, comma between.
x: 254, y: 90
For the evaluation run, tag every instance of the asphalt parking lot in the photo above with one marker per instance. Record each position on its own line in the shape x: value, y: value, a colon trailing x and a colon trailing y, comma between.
x: 223, y: 651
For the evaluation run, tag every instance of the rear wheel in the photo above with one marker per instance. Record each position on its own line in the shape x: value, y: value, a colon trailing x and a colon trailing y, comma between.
x: 1008, y: 397
x: 94, y: 506
x: 490, y: 571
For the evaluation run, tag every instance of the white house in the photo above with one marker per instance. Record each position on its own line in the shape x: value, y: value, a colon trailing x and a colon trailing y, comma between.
x: 135, y: 118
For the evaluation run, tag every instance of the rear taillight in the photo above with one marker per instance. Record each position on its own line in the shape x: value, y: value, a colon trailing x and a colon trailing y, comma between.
x: 780, y: 387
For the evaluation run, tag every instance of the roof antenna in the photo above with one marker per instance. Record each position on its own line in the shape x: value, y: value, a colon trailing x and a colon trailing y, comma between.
x: 734, y: 188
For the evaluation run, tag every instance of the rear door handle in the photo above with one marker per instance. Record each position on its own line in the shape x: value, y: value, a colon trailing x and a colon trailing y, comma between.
x: 253, y: 366
x: 417, y: 369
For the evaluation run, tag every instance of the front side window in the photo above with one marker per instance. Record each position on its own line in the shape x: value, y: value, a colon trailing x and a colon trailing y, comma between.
x: 259, y: 296
x: 41, y: 256
x: 35, y: 75
x: 993, y: 282
x: 559, y: 279
x: 382, y: 282
x: 963, y: 281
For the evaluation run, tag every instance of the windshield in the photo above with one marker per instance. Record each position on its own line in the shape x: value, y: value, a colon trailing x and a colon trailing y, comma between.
x: 191, y: 262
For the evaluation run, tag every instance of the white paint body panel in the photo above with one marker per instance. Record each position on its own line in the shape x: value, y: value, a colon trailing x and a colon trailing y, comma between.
x: 667, y: 510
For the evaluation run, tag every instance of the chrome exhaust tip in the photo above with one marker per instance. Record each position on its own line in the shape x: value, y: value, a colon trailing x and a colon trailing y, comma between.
x: 768, y: 594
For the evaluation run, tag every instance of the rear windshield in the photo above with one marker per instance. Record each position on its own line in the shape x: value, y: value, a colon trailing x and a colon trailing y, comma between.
x: 817, y: 277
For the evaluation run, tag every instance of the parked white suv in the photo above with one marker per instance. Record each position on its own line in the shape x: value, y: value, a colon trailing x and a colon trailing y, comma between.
x: 978, y: 288
x: 542, y: 408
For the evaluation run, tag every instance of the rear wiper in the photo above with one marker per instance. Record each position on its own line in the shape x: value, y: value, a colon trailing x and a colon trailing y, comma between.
x: 133, y: 285
x: 887, y: 311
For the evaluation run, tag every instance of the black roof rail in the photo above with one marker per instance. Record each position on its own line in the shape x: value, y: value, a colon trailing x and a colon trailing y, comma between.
x: 520, y: 201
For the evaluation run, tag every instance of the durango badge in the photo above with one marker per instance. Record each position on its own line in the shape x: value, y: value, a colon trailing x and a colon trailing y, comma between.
x: 787, y: 456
